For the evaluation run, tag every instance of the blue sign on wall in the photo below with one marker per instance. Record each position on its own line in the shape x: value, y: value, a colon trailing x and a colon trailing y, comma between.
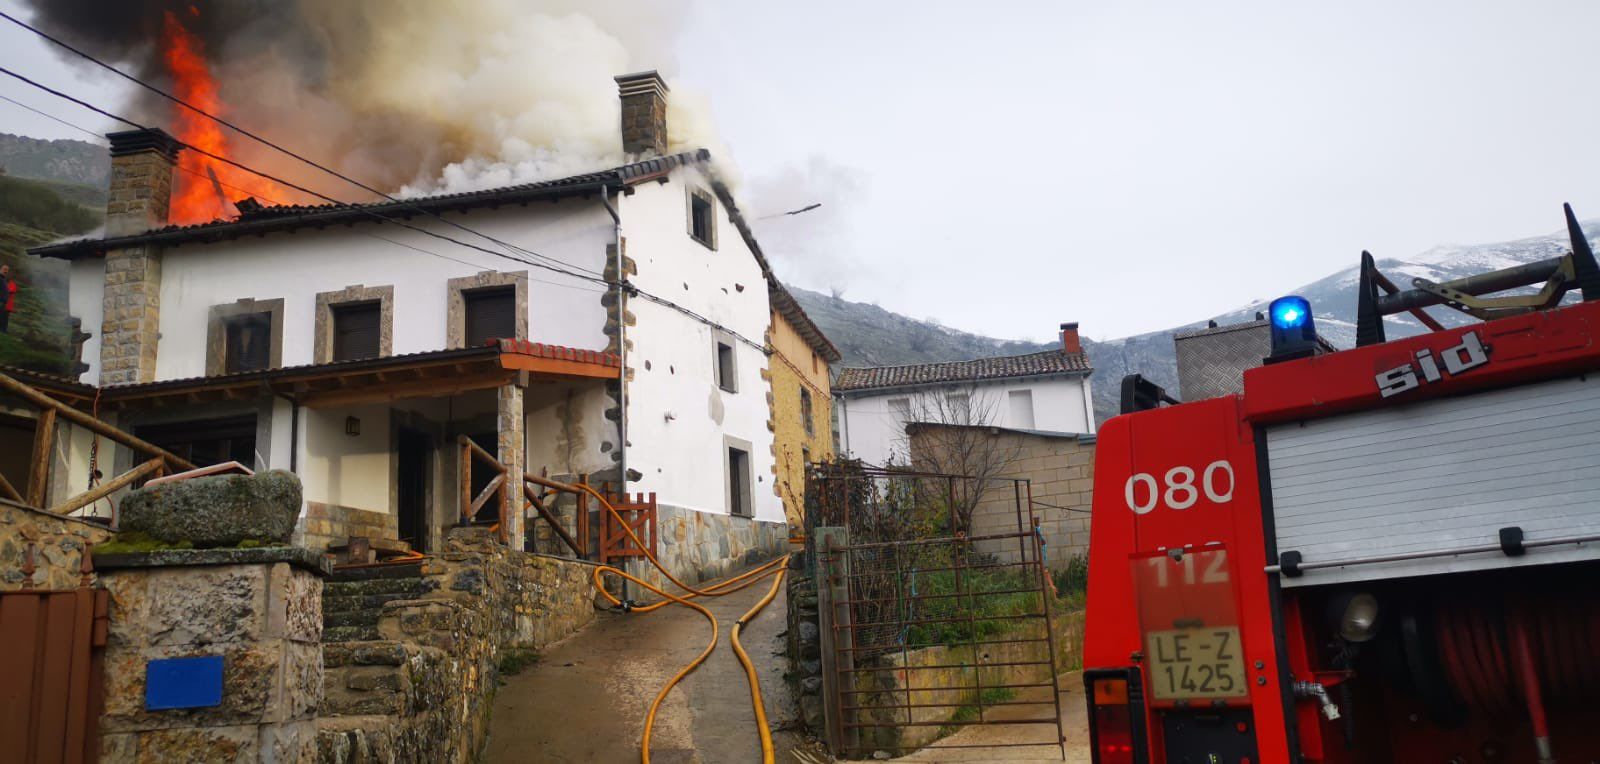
x: 183, y: 683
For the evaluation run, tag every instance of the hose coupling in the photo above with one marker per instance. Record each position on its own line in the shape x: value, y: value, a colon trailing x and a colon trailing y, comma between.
x: 1315, y: 690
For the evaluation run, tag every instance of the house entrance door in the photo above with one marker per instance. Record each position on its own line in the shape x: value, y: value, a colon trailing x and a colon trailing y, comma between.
x: 413, y: 463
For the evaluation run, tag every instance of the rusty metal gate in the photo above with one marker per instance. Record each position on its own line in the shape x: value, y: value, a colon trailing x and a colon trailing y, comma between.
x: 928, y: 629
x: 50, y: 674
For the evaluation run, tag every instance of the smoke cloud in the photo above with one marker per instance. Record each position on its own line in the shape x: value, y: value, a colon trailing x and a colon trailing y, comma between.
x: 814, y: 248
x: 419, y: 96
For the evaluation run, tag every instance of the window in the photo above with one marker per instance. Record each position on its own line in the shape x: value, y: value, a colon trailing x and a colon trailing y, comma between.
x: 1019, y: 409
x: 491, y: 315
x: 248, y: 343
x: 958, y: 407
x: 356, y: 331
x: 739, y: 482
x: 727, y: 369
x: 703, y: 217
x: 816, y: 363
x: 805, y: 411
x: 900, y: 408
x: 206, y: 442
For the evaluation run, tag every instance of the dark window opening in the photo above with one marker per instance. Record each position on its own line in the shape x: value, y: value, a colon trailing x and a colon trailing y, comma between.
x: 738, y: 482
x: 413, y: 467
x: 482, y: 475
x: 806, y: 412
x: 247, y: 343
x: 727, y: 372
x: 206, y: 442
x: 491, y: 314
x: 702, y: 219
x: 357, y: 330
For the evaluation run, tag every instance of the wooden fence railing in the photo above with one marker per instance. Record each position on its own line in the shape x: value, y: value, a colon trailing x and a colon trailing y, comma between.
x: 639, y: 513
x: 157, y: 461
x: 470, y: 505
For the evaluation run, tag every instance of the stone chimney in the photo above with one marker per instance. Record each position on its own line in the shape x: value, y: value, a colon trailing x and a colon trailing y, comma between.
x: 644, y: 113
x: 1069, y: 338
x: 141, y: 190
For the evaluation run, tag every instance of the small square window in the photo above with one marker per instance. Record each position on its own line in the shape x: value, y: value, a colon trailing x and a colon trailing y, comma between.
x: 703, y: 218
x: 491, y: 314
x: 356, y: 331
x: 727, y: 368
x: 739, y: 482
x: 247, y: 343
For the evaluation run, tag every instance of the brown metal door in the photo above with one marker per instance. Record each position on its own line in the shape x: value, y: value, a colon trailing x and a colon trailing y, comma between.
x: 50, y: 674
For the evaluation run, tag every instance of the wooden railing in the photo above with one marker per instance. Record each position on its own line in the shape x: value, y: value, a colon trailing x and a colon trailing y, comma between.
x: 578, y: 540
x: 470, y: 505
x: 639, y: 512
x: 159, y: 461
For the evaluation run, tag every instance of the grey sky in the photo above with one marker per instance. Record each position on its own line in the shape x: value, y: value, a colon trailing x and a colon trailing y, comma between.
x: 1007, y: 166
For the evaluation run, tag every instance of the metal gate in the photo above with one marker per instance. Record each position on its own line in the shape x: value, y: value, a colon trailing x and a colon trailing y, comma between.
x: 50, y: 660
x: 927, y: 630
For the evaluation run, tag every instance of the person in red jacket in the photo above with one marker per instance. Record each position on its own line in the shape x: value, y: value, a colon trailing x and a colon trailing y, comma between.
x: 8, y: 298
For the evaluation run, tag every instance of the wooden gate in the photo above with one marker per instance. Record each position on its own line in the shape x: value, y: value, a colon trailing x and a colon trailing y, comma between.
x: 639, y: 512
x: 51, y: 643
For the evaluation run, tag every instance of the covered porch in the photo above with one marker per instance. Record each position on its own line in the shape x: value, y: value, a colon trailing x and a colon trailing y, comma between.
x: 394, y: 451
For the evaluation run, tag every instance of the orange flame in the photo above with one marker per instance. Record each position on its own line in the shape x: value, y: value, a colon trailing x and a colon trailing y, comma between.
x: 201, y: 186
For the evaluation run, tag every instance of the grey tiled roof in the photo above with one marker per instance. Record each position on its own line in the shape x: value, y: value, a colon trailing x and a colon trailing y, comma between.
x: 1030, y: 365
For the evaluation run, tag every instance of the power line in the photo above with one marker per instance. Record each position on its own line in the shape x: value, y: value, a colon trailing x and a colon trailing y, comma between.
x: 274, y: 146
x: 370, y: 213
x: 79, y: 128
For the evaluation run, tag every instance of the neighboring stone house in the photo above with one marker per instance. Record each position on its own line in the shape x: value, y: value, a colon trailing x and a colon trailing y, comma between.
x: 802, y: 424
x: 1059, y: 468
x: 1038, y: 391
x: 323, y: 340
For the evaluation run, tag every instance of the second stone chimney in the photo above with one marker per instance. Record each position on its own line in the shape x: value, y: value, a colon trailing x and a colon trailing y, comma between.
x: 1069, y: 338
x: 644, y: 113
x: 141, y: 190
x: 141, y: 180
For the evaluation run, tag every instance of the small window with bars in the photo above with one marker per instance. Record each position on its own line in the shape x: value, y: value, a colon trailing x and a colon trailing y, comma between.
x: 357, y: 331
x: 491, y: 314
x: 247, y: 343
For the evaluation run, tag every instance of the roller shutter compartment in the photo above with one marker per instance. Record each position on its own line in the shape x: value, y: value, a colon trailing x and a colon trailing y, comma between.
x: 1438, y: 476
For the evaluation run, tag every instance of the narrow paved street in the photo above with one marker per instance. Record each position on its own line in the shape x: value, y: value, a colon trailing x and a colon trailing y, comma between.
x: 586, y: 699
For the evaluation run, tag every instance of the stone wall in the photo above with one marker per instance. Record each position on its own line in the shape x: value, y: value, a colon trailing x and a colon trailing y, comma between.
x: 324, y: 525
x: 424, y: 690
x: 57, y: 545
x: 804, y: 643
x: 260, y: 609
x: 704, y: 546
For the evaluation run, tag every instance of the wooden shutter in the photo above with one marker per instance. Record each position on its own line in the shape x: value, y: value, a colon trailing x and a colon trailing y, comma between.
x: 491, y: 314
x: 249, y: 343
x: 357, y: 330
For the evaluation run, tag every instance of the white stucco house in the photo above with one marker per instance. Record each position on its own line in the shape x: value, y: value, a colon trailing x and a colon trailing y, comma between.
x: 356, y: 352
x: 1044, y: 392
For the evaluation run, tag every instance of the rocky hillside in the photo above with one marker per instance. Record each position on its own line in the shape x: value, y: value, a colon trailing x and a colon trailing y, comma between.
x: 66, y: 161
x: 871, y: 336
x: 36, y: 212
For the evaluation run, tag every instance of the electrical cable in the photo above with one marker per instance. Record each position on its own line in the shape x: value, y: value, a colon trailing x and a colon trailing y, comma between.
x: 370, y: 213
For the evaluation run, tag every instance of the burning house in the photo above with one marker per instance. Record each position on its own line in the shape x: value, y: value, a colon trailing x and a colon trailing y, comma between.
x: 373, y: 360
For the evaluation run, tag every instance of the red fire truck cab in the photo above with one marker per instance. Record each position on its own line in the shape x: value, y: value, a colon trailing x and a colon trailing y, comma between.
x: 1383, y: 554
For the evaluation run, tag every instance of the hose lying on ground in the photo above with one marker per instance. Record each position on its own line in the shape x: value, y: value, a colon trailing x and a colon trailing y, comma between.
x: 774, y: 568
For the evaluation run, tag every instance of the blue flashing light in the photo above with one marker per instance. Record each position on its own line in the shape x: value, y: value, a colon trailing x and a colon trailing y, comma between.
x: 1290, y: 312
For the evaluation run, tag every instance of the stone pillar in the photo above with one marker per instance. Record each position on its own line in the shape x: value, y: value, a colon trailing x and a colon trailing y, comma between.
x: 141, y: 190
x: 644, y: 113
x: 259, y: 610
x: 512, y: 454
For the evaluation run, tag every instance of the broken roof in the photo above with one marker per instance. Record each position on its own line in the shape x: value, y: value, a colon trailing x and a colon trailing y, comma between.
x: 1049, y: 362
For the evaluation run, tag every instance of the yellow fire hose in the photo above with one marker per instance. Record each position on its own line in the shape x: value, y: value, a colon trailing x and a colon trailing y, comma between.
x: 775, y: 568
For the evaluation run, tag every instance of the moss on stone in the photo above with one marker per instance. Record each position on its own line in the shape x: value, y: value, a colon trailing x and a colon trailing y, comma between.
x: 137, y: 541
x: 513, y: 662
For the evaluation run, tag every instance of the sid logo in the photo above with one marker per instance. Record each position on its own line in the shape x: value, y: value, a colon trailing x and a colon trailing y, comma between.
x: 1470, y: 354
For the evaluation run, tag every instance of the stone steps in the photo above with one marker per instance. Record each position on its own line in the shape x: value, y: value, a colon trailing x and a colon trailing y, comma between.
x: 353, y: 599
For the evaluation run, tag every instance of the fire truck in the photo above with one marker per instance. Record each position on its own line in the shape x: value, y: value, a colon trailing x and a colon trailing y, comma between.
x: 1389, y: 553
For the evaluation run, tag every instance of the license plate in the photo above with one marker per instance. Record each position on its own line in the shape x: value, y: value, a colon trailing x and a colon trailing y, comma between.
x: 1196, y: 664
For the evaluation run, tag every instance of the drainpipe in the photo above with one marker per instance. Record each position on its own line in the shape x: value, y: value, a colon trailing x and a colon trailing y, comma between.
x: 622, y: 338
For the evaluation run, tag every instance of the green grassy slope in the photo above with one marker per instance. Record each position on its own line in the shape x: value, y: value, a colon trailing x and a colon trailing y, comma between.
x: 33, y: 213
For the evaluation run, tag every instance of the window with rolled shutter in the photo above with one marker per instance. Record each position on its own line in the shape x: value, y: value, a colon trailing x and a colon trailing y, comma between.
x: 356, y: 330
x: 491, y: 314
x: 249, y: 343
